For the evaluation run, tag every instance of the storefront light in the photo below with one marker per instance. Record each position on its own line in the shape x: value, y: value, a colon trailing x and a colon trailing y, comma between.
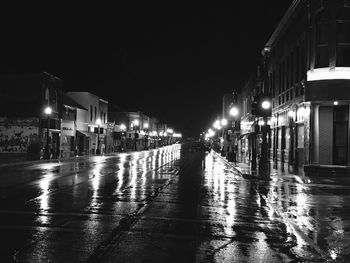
x: 328, y: 74
x: 291, y: 113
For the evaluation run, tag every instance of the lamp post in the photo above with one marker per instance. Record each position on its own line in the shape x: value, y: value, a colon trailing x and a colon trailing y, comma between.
x: 136, y: 126
x: 48, y: 112
x: 234, y: 112
x: 122, y: 142
x: 264, y: 108
x: 98, y: 122
x: 145, y: 129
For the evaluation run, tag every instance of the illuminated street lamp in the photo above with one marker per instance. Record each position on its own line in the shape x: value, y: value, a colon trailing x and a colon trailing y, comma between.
x: 223, y: 122
x: 98, y: 122
x: 48, y: 112
x: 217, y: 125
x: 266, y: 104
x: 234, y: 111
x: 122, y: 127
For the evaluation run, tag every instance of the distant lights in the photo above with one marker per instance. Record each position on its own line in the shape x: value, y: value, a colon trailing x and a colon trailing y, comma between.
x: 336, y: 103
x: 224, y: 122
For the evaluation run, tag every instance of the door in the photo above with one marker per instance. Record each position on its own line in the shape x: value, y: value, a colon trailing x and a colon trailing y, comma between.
x: 340, y: 135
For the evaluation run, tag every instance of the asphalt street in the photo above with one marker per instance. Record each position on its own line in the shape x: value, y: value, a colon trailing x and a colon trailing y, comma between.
x: 173, y: 204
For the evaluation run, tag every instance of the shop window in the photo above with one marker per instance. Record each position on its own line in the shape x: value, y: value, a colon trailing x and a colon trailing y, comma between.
x: 301, y: 136
x: 322, y: 39
x: 343, y: 37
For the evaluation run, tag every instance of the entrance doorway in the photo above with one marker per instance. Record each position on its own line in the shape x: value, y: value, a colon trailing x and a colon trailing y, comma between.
x: 340, y: 134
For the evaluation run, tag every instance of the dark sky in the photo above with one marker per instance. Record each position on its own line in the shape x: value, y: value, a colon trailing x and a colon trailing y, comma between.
x: 173, y: 62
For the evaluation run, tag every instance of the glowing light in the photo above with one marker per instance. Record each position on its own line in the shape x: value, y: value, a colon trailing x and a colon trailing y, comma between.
x: 336, y: 103
x: 122, y: 127
x: 261, y: 123
x: 98, y: 121
x: 48, y: 110
x: 136, y: 122
x: 223, y: 122
x: 217, y: 125
x: 291, y: 113
x: 328, y: 74
x: 280, y: 119
x: 266, y: 104
x: 145, y: 126
x: 234, y: 112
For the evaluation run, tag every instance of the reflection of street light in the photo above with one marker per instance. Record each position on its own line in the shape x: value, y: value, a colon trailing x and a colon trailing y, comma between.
x: 48, y: 112
x: 98, y: 122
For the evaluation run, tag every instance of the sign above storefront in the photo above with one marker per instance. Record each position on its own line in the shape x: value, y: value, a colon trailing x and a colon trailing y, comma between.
x: 68, y: 128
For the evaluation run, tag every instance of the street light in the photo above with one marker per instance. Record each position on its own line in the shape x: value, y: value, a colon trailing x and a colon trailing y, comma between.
x: 217, y: 125
x: 234, y: 112
x: 266, y: 104
x: 48, y: 112
x: 223, y: 122
x: 98, y: 122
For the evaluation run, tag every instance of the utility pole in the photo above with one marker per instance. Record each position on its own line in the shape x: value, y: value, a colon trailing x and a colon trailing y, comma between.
x: 264, y: 106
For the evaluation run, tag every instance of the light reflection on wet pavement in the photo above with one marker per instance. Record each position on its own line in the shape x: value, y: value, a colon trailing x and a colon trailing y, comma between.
x: 194, y: 209
x: 212, y: 214
x: 60, y: 212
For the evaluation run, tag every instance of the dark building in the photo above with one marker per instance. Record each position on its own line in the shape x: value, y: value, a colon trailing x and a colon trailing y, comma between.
x: 24, y: 126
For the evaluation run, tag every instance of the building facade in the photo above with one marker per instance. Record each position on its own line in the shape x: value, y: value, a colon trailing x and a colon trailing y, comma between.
x: 92, y: 135
x: 25, y: 126
x: 307, y: 73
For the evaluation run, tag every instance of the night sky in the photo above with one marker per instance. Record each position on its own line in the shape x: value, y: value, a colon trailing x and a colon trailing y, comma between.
x: 173, y: 62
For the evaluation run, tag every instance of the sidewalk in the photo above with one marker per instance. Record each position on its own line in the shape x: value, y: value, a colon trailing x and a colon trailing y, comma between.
x: 19, y: 161
x: 315, y: 208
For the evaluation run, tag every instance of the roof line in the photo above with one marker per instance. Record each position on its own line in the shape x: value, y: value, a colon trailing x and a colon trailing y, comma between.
x: 281, y: 26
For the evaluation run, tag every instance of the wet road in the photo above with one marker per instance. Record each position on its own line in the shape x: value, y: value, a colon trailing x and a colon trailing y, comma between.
x: 168, y: 206
x: 62, y: 212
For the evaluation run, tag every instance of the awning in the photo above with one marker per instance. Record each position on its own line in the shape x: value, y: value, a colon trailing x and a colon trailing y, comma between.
x: 244, y: 136
x: 84, y: 133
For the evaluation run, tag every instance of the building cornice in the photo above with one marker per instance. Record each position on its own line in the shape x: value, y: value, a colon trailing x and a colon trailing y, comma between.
x: 280, y: 29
